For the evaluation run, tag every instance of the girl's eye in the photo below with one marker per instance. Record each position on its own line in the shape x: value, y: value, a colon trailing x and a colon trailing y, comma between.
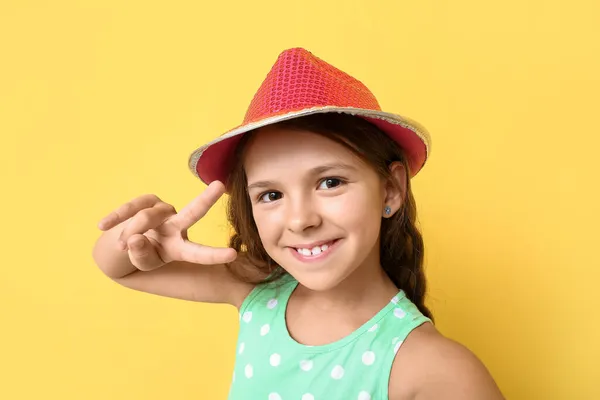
x: 327, y: 183
x: 269, y: 197
x: 330, y: 183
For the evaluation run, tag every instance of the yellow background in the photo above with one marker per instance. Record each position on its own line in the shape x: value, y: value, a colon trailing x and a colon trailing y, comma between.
x: 101, y: 101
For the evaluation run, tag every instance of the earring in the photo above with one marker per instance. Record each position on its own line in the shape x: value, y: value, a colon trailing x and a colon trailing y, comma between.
x: 387, y: 210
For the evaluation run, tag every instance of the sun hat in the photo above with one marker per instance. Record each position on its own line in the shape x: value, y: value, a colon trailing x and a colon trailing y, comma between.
x: 301, y: 84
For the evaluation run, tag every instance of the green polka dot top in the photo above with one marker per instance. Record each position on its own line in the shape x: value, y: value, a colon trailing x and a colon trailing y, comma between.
x: 271, y: 365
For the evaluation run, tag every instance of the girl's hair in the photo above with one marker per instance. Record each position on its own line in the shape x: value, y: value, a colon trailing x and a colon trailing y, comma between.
x: 401, y: 244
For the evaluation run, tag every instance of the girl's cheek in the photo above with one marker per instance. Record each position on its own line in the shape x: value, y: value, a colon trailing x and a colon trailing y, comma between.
x: 267, y: 221
x: 351, y: 208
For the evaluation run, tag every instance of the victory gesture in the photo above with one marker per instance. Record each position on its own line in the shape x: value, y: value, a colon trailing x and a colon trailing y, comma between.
x: 154, y: 234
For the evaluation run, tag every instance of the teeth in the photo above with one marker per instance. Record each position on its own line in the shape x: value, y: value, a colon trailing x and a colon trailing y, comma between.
x: 315, y: 251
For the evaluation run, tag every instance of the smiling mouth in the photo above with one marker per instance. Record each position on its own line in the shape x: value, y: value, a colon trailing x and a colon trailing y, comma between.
x: 316, y: 250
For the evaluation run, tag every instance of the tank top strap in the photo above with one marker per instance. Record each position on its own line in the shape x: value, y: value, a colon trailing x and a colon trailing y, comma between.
x: 268, y: 294
x: 391, y: 332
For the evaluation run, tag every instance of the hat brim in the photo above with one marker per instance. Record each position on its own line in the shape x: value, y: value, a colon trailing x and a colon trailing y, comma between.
x: 212, y: 161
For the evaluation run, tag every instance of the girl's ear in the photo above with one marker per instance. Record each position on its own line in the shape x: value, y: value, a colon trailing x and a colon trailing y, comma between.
x: 394, y: 189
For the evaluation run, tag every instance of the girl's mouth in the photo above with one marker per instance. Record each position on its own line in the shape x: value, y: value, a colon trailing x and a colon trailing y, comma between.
x: 315, y: 253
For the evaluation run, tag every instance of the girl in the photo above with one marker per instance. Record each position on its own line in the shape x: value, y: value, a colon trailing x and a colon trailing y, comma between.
x: 325, y: 263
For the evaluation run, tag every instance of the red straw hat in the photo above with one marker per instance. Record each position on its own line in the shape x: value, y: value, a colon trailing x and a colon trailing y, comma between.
x: 301, y: 84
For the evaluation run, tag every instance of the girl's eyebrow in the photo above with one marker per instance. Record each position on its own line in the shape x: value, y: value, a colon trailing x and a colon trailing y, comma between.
x: 313, y: 171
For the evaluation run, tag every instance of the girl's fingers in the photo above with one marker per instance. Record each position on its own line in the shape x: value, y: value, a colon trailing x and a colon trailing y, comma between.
x: 206, y: 255
x: 127, y: 210
x: 198, y: 207
x: 145, y: 220
x: 143, y: 254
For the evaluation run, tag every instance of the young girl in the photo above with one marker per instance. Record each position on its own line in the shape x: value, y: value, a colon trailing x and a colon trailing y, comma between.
x: 325, y: 263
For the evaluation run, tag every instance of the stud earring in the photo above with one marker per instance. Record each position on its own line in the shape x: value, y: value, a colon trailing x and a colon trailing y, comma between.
x: 387, y: 210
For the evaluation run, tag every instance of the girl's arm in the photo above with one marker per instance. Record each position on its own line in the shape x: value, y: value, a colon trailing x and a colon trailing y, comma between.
x: 176, y: 279
x: 145, y: 247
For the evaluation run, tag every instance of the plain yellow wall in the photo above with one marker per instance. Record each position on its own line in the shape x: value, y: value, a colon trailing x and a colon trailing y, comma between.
x: 101, y: 101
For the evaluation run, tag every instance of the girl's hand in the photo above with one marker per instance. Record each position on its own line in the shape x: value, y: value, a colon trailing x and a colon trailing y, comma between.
x: 155, y: 234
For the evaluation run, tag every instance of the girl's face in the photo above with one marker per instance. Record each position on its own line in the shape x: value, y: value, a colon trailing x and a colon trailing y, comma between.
x: 317, y: 206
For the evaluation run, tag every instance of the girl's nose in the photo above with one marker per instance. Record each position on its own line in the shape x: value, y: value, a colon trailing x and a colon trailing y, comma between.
x: 302, y: 215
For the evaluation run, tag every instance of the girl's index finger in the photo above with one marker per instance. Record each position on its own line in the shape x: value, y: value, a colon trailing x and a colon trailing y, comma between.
x: 198, y: 207
x: 108, y: 222
x: 127, y: 211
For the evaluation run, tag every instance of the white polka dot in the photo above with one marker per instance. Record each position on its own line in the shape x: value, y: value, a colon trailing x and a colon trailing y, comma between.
x: 364, y: 395
x: 399, y: 313
x: 337, y: 372
x: 249, y: 371
x: 306, y: 365
x: 395, y: 299
x: 247, y: 317
x: 265, y: 329
x: 373, y: 328
x: 275, y: 359
x: 397, y: 346
x: 308, y: 396
x: 274, y: 396
x: 394, y: 340
x: 368, y: 357
x: 242, y: 347
x: 271, y: 304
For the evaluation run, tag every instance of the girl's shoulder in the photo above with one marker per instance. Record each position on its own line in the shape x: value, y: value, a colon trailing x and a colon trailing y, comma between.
x: 432, y: 366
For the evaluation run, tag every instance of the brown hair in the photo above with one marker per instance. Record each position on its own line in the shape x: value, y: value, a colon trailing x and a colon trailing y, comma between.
x: 401, y: 244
